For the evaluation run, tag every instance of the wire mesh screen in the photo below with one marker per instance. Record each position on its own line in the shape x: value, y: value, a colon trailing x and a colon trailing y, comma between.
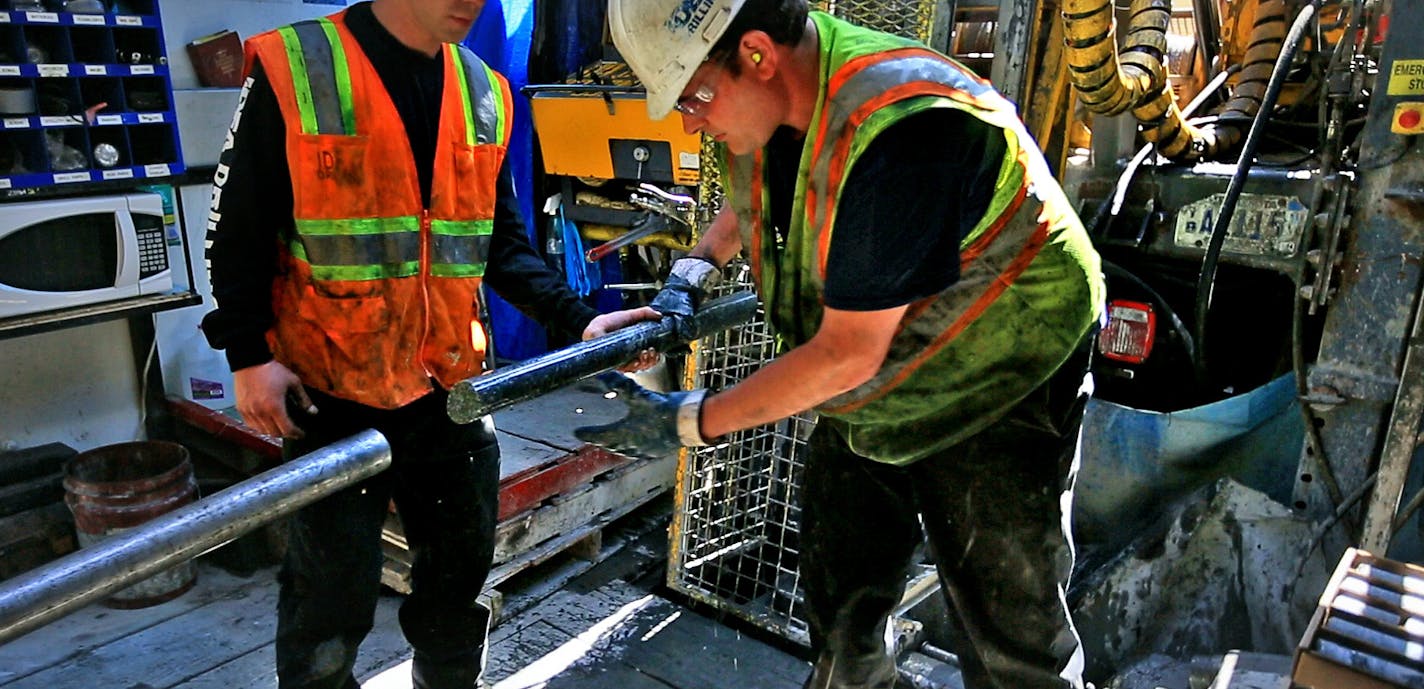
x: 735, y: 525
x: 908, y: 18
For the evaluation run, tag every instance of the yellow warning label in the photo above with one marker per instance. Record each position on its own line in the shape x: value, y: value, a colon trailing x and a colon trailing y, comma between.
x: 1406, y: 78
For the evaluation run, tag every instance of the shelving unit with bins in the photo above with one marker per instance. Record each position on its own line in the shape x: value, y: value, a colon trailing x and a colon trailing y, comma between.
x: 84, y: 97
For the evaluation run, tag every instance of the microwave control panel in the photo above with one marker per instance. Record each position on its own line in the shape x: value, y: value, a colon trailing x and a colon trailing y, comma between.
x: 152, y: 250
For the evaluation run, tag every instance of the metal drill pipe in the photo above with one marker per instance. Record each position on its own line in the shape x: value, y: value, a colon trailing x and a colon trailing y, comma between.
x: 44, y: 594
x: 475, y: 397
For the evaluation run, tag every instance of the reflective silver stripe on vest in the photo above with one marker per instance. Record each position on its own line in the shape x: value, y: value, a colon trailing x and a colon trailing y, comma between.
x: 321, y: 77
x: 459, y: 249
x: 869, y: 83
x: 977, y: 277
x: 482, y: 99
x: 361, y: 249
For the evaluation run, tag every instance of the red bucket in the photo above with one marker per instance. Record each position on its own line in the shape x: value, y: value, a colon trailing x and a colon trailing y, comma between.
x: 115, y: 488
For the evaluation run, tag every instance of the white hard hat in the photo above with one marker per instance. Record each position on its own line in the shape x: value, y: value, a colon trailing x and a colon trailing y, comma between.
x: 664, y: 41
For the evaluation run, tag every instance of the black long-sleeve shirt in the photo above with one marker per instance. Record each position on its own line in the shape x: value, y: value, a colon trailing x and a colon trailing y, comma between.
x: 252, y: 205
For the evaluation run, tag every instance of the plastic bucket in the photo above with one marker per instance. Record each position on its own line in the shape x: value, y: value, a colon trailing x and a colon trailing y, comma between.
x: 115, y: 488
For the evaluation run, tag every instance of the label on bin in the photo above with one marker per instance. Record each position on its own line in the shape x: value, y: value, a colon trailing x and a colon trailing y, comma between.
x: 141, y: 69
x: 92, y: 19
x: 125, y: 173
x: 96, y: 70
x: 53, y: 70
x: 150, y: 117
x: 44, y: 17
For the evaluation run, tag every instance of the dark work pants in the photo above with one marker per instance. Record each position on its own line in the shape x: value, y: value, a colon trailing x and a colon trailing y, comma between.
x: 444, y: 479
x: 996, y: 512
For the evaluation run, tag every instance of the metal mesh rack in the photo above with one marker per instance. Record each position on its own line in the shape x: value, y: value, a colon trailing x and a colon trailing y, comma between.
x: 909, y: 18
x: 734, y: 541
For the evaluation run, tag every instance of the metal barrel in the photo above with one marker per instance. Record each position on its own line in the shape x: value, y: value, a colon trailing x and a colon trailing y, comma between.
x: 475, y: 397
x: 47, y: 593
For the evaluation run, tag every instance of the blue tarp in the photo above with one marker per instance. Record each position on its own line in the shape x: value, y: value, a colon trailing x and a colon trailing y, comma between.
x: 501, y: 37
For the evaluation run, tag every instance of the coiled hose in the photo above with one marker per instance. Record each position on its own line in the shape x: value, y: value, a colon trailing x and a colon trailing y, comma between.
x: 1111, y: 83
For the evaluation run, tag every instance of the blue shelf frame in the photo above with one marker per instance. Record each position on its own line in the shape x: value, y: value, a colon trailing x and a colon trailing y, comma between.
x: 120, y: 126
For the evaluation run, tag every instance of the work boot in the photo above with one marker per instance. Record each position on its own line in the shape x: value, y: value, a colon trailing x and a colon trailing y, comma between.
x: 838, y: 671
x: 462, y: 673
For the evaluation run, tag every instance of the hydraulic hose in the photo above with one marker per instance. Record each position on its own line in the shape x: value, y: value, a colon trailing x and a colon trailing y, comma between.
x: 1111, y: 83
x: 1206, y: 280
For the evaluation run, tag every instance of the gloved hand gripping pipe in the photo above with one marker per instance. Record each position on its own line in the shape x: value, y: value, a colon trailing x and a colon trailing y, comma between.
x: 1110, y: 82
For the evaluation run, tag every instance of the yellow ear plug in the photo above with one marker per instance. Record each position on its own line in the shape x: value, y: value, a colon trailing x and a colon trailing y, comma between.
x: 756, y: 58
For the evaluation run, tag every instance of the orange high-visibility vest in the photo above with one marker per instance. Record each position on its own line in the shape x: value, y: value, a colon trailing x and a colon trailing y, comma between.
x: 376, y: 294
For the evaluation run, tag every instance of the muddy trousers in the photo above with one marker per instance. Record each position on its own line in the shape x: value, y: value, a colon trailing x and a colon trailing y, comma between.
x: 444, y: 480
x: 995, y: 509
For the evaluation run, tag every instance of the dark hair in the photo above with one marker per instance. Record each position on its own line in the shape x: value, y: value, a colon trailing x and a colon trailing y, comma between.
x: 783, y: 20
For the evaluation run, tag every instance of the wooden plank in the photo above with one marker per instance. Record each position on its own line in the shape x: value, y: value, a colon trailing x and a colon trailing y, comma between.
x: 382, y: 649
x: 31, y: 462
x: 31, y: 493
x: 582, y: 506
x: 566, y: 524
x: 591, y: 675
x: 81, y: 633
x: 527, y: 490
x: 168, y: 653
x: 689, y: 651
x: 652, y: 642
x: 519, y: 455
x: 34, y: 537
x: 229, y: 429
x: 511, y: 652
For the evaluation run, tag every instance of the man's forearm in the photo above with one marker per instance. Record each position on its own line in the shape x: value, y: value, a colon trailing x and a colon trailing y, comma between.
x: 722, y: 240
x: 847, y: 351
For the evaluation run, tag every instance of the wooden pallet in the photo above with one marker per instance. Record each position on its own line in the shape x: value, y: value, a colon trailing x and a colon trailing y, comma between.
x: 568, y: 521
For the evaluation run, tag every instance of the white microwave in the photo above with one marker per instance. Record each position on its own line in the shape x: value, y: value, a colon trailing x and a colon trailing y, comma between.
x: 73, y: 252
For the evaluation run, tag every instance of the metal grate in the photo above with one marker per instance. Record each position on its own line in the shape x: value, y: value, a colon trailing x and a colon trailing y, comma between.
x: 735, y: 525
x: 908, y: 18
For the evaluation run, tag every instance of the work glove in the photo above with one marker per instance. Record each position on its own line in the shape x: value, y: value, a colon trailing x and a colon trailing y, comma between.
x: 687, y: 285
x: 656, y: 425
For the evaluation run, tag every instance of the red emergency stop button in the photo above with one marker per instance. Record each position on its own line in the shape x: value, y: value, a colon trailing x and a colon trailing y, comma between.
x: 1408, y: 119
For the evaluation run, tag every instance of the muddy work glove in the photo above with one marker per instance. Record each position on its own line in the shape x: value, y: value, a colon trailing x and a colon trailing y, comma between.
x: 657, y: 423
x: 687, y: 285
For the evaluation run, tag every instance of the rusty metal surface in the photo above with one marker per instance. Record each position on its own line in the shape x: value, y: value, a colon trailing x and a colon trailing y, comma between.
x: 1354, y: 381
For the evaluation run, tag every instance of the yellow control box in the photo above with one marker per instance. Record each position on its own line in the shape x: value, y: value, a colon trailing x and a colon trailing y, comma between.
x: 605, y: 132
x: 1408, y: 119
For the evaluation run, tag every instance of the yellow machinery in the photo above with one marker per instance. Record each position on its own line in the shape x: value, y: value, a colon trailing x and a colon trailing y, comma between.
x: 620, y: 176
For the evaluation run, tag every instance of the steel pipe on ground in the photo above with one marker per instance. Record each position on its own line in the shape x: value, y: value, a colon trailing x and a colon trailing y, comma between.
x: 476, y: 397
x: 47, y: 593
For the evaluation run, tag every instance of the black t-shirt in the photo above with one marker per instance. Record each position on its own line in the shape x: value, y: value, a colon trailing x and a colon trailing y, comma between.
x: 252, y: 207
x: 918, y: 188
